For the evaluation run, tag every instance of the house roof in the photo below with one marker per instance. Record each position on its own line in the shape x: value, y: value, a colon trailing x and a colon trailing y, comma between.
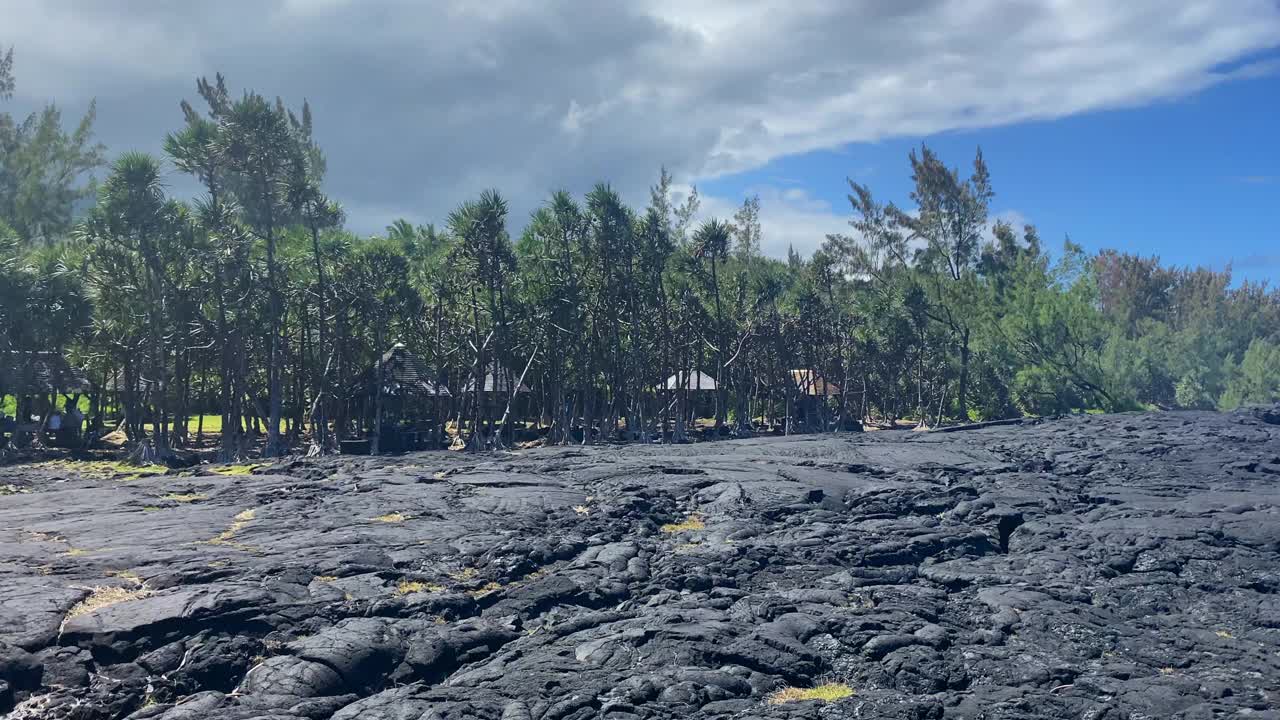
x: 30, y: 373
x: 810, y: 383
x: 402, y: 372
x: 497, y: 380
x: 117, y: 383
x: 691, y: 380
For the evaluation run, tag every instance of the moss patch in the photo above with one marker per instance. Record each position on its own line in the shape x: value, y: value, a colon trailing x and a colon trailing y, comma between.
x: 828, y: 692
x: 394, y: 517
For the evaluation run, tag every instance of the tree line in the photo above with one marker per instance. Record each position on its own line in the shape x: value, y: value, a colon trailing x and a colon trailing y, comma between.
x: 254, y: 302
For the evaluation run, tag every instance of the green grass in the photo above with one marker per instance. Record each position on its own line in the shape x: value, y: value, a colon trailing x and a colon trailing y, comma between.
x: 9, y: 405
x: 212, y: 424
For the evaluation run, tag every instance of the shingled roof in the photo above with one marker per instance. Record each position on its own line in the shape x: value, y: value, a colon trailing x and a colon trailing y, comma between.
x: 34, y: 373
x: 403, y: 372
x: 497, y: 380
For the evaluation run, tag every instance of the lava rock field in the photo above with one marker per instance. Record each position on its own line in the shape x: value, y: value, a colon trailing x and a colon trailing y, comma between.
x: 1104, y: 567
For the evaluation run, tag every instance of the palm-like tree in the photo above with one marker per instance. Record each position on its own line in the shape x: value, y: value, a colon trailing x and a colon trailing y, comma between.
x: 135, y: 222
x: 484, y: 255
x: 711, y: 244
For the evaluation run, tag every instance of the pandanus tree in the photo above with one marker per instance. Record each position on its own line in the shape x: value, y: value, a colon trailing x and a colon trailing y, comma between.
x: 136, y: 230
x: 484, y: 258
x: 196, y: 149
x: 711, y: 246
x: 549, y: 256
x: 318, y: 213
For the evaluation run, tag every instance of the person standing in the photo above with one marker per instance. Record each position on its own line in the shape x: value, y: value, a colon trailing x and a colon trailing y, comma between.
x: 74, y: 420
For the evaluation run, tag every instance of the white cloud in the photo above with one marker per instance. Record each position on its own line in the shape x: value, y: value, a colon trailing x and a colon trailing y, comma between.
x: 789, y: 217
x: 420, y: 105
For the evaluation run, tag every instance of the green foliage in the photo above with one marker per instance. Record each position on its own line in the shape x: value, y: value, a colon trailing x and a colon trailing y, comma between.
x: 42, y: 166
x: 253, y: 306
x: 1256, y: 379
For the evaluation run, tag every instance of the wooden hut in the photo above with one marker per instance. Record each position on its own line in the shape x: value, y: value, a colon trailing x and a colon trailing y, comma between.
x: 813, y: 390
x: 693, y: 380
x: 699, y: 390
x: 813, y: 384
x: 399, y: 399
x: 500, y: 383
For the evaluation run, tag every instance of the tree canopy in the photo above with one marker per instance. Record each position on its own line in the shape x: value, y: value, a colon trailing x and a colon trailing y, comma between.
x: 253, y: 302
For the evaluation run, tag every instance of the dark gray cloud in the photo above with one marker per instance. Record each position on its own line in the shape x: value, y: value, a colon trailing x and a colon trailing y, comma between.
x: 422, y: 104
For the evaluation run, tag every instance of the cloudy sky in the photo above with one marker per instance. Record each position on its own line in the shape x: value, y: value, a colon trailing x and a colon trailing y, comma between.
x: 1124, y: 124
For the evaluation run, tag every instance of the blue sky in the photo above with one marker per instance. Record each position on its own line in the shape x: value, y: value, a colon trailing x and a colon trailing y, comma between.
x: 1194, y: 180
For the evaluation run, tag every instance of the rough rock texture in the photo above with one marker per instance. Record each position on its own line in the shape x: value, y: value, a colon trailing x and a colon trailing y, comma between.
x: 1101, y: 567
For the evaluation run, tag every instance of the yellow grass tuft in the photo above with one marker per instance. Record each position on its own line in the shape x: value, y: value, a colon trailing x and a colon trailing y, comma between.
x: 1225, y: 635
x: 487, y: 589
x: 394, y: 517
x: 100, y: 597
x: 129, y: 575
x: 238, y: 522
x: 408, y: 587
x: 74, y: 552
x: 691, y: 523
x: 235, y: 469
x: 828, y: 692
x: 1166, y: 671
x: 325, y: 578
x: 185, y: 497
x: 581, y: 509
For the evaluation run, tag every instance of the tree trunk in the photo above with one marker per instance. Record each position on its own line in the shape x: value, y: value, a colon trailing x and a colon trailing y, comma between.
x: 964, y: 376
x: 376, y: 437
x: 275, y: 389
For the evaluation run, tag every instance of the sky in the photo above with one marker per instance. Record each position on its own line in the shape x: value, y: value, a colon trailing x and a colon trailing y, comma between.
x: 1145, y: 125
